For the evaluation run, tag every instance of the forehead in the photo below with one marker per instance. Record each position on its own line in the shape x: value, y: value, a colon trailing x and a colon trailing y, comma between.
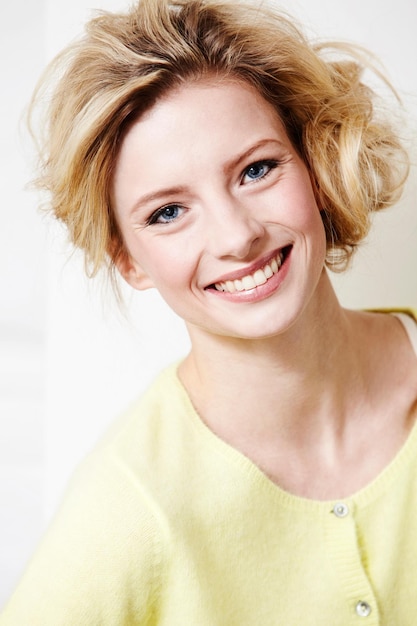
x: 205, y: 86
x: 204, y: 104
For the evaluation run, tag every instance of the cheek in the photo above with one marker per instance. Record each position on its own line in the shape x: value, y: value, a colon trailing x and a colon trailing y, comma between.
x: 316, y: 230
x: 309, y: 210
x: 167, y: 264
x: 304, y: 215
x: 307, y: 220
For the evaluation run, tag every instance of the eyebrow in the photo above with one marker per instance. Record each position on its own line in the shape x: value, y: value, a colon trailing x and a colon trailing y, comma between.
x: 156, y: 195
x: 179, y: 189
x: 234, y: 162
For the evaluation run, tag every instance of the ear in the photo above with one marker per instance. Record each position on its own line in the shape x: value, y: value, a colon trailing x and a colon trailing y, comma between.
x: 133, y: 273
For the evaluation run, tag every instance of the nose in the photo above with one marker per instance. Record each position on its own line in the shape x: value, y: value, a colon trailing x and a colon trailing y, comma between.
x: 232, y: 230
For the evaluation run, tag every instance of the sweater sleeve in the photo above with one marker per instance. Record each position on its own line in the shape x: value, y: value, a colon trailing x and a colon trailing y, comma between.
x: 100, y: 562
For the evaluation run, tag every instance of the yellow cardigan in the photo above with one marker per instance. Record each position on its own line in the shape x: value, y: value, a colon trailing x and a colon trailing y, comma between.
x: 166, y: 525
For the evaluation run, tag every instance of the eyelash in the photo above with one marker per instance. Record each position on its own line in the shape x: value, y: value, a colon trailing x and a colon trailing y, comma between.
x: 271, y: 164
x: 153, y: 219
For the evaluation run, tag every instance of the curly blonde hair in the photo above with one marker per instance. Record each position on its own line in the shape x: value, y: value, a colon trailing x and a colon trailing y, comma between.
x: 125, y: 62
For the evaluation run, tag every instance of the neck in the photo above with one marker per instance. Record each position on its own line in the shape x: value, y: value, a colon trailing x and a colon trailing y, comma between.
x: 304, y: 404
x: 258, y: 388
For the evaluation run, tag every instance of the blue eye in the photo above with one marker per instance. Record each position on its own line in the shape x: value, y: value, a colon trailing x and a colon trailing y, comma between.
x: 165, y: 215
x: 257, y: 171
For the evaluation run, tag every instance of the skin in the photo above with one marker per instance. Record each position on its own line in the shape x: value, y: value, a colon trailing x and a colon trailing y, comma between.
x: 208, y: 188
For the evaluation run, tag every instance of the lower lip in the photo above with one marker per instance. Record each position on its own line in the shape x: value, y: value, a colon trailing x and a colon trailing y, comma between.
x: 262, y: 291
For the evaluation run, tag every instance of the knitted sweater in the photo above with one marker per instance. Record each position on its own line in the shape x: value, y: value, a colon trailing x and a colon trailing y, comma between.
x: 165, y: 524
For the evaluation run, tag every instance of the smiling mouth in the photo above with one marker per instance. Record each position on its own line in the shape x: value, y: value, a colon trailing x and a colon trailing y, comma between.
x: 257, y: 278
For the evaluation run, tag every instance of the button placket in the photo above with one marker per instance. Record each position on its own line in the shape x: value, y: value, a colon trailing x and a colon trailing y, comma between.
x: 344, y: 550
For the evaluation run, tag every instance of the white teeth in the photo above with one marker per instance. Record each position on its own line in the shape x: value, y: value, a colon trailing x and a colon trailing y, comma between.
x: 248, y: 282
x: 251, y: 281
x: 260, y: 277
x: 274, y: 266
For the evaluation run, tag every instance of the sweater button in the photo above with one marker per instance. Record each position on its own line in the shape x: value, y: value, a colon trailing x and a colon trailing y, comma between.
x: 341, y: 509
x: 363, y: 609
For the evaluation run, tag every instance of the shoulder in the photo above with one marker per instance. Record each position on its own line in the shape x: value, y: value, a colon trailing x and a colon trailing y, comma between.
x: 397, y: 327
x: 408, y: 319
x: 383, y: 324
x: 145, y: 443
x: 104, y: 555
x: 391, y: 339
x: 100, y: 560
x: 385, y: 344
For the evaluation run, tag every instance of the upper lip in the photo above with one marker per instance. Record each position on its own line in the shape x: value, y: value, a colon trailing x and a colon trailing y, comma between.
x: 249, y: 269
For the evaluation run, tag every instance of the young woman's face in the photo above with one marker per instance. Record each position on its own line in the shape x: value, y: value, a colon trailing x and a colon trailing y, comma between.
x: 217, y: 211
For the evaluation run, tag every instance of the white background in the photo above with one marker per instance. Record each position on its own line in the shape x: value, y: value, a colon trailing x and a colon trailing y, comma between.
x: 69, y: 360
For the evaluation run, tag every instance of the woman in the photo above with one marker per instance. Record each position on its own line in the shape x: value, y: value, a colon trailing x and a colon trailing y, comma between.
x: 209, y: 151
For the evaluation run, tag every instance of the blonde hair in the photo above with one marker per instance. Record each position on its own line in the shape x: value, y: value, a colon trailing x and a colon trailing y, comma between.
x: 125, y: 62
